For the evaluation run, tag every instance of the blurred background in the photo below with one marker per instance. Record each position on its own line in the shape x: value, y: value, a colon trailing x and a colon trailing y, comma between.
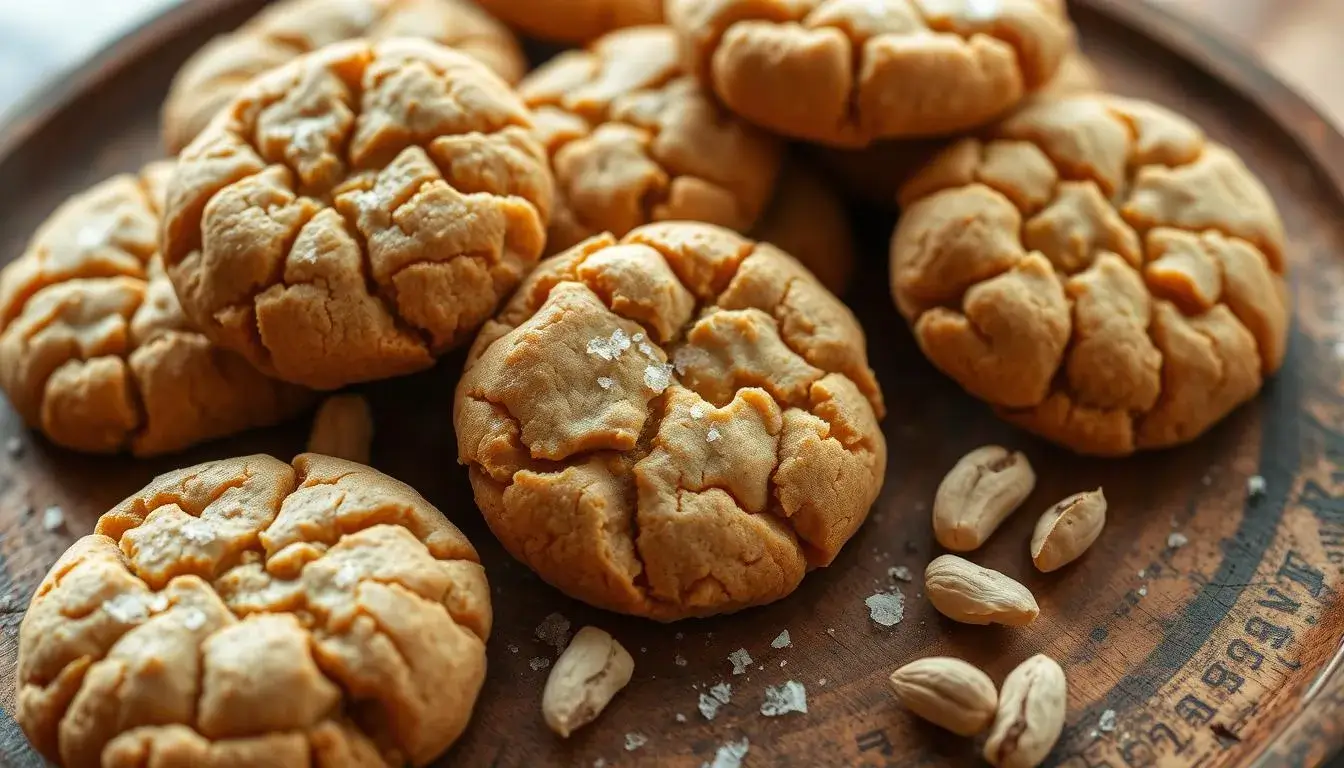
x: 1297, y: 39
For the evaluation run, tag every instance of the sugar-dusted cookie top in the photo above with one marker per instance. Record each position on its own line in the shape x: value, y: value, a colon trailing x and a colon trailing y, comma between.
x: 574, y: 21
x: 679, y: 423
x: 357, y: 212
x: 94, y: 349
x: 849, y: 72
x: 634, y: 139
x: 250, y: 612
x: 1098, y: 270
x: 287, y: 29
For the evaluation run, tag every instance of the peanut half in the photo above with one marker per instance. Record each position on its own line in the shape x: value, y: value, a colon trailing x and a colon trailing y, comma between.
x: 343, y: 428
x: 592, y: 670
x: 965, y: 592
x: 978, y: 495
x: 1031, y: 713
x: 1067, y: 529
x: 947, y: 692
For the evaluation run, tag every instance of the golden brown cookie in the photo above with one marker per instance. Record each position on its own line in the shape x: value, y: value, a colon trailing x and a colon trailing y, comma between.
x: 1098, y: 270
x: 574, y: 21
x: 357, y: 212
x: 246, y: 613
x: 633, y: 140
x: 849, y: 72
x: 211, y: 78
x: 94, y: 349
x: 808, y: 221
x: 680, y: 423
x: 875, y: 173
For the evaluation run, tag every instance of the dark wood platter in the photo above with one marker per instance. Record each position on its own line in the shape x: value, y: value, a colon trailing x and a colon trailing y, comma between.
x: 1223, y: 652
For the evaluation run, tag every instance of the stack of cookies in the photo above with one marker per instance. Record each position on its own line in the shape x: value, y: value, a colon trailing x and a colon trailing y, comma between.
x: 665, y: 410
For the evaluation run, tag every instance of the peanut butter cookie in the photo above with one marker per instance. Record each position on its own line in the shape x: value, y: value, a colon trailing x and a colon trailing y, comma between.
x: 248, y: 613
x: 94, y: 349
x: 357, y: 212
x: 1098, y: 270
x: 849, y: 72
x: 574, y: 21
x: 679, y: 423
x: 633, y: 139
x: 211, y: 78
x: 808, y: 221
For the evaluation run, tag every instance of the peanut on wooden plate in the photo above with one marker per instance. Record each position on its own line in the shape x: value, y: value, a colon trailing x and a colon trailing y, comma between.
x: 1032, y: 705
x: 980, y: 492
x: 343, y: 428
x: 966, y: 592
x: 947, y: 692
x: 591, y: 671
x: 1067, y: 529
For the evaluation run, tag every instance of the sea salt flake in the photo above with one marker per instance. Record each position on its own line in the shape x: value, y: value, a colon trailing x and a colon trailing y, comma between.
x: 513, y: 648
x: 634, y: 741
x: 1177, y: 540
x: 718, y: 695
x: 782, y: 662
x: 193, y: 619
x: 697, y: 411
x: 740, y: 660
x: 605, y: 382
x: 1255, y: 485
x: 782, y: 640
x: 729, y: 755
x: 680, y: 660
x: 1107, y: 721
x: 646, y: 349
x: 553, y: 631
x: 1143, y: 591
x: 1143, y: 573
x: 53, y: 518
x: 900, y: 573
x: 657, y: 376
x: 783, y: 699
x: 712, y: 435
x: 638, y: 337
x: 822, y: 681
x: 684, y: 358
x: 609, y: 349
x: 346, y: 576
x: 723, y: 692
x: 538, y: 663
x: 886, y: 608
x: 127, y: 609
x: 681, y: 718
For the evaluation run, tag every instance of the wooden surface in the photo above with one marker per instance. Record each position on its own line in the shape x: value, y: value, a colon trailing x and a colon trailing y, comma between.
x: 1221, y: 653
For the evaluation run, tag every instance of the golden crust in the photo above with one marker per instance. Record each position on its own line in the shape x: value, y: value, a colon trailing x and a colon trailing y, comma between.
x: 634, y: 140
x: 94, y: 348
x: 247, y: 612
x: 574, y: 21
x: 212, y: 78
x: 677, y: 424
x: 1098, y: 270
x: 357, y: 212
x: 849, y: 72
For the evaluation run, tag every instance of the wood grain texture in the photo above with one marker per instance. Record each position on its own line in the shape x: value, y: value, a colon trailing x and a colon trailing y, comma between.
x: 1221, y: 653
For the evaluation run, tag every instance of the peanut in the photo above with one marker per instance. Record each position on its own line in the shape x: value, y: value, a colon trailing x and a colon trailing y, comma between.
x: 978, y: 495
x: 947, y: 692
x: 343, y: 428
x: 592, y: 670
x: 1032, y: 706
x: 1067, y: 529
x: 965, y: 592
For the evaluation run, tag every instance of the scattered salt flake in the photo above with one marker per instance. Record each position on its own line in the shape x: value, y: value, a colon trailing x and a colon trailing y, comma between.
x: 782, y: 662
x: 1255, y: 485
x: 712, y: 435
x: 657, y: 376
x: 729, y: 755
x: 127, y: 609
x: 886, y: 608
x: 697, y: 411
x: 680, y: 660
x: 645, y: 348
x: 830, y: 631
x: 1177, y: 540
x: 782, y: 641
x: 783, y: 699
x: 684, y: 358
x: 681, y: 718
x: 709, y: 706
x: 346, y: 576
x: 723, y: 692
x: 740, y: 660
x: 539, y: 663
x: 599, y: 763
x: 1143, y: 591
x: 1107, y: 721
x: 53, y: 518
x: 900, y: 573
x: 14, y: 446
x: 553, y: 631
x: 605, y: 382
x: 822, y: 681
x: 634, y: 741
x: 638, y: 337
x: 193, y: 619
x: 513, y: 648
x: 1143, y: 572
x: 609, y: 349
x: 643, y: 649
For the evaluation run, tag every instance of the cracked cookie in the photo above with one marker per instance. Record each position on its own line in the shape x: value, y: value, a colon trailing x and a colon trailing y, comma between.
x: 357, y: 212
x: 1098, y: 270
x: 94, y: 349
x: 849, y: 72
x: 808, y: 221
x: 211, y: 78
x: 679, y: 423
x: 633, y: 139
x: 247, y: 612
x: 574, y: 21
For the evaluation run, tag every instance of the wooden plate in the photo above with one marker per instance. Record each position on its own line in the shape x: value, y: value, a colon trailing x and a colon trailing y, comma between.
x: 1224, y: 652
